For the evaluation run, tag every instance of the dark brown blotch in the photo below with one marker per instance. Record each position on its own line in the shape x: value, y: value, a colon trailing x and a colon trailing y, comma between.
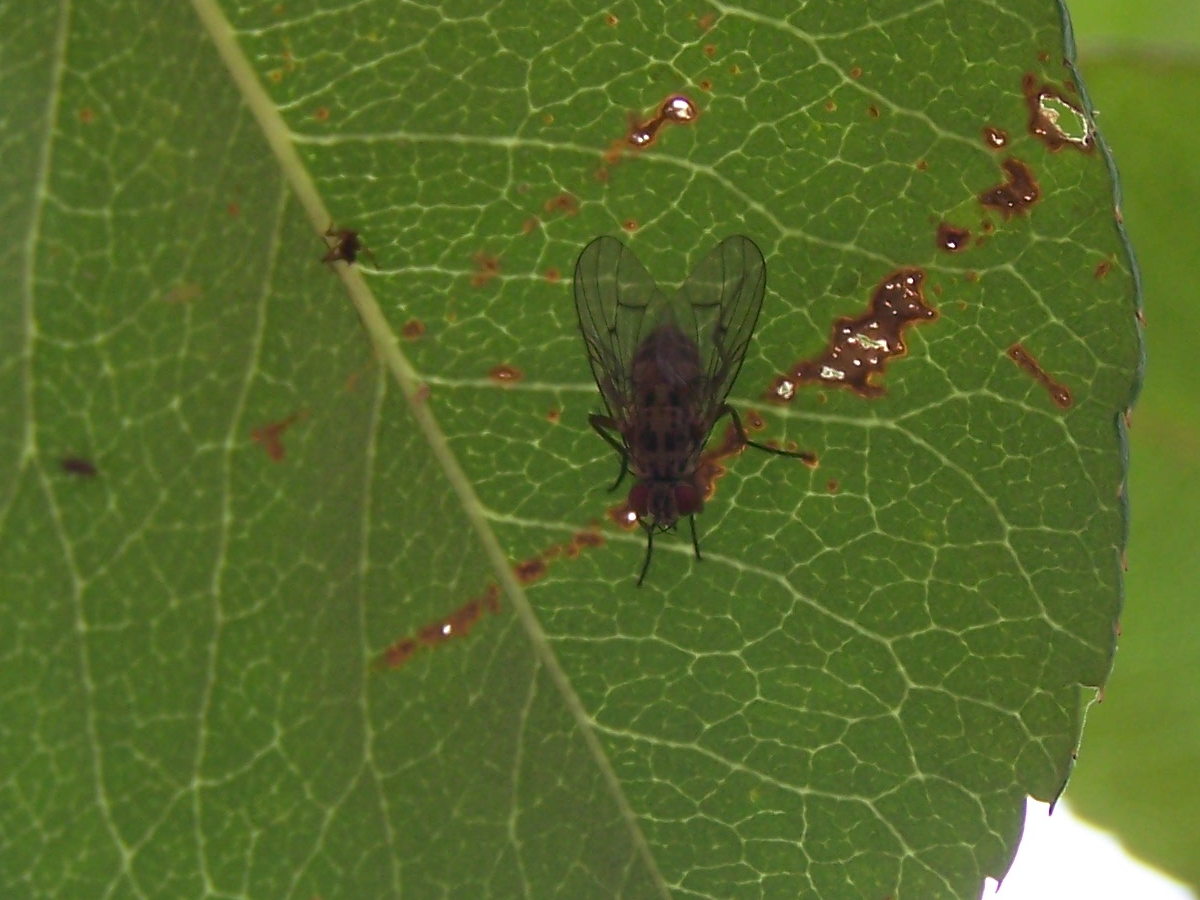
x: 1019, y: 191
x: 952, y: 239
x: 859, y: 349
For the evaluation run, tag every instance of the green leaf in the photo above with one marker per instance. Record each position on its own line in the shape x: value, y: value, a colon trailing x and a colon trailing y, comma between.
x: 208, y: 686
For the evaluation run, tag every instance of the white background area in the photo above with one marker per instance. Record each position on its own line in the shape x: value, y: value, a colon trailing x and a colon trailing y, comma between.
x: 1063, y: 858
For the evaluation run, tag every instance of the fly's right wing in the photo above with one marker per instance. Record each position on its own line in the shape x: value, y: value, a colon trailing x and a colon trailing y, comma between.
x: 718, y: 306
x: 615, y: 299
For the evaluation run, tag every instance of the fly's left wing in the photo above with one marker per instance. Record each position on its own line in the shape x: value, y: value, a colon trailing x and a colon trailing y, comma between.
x: 615, y: 298
x: 719, y: 305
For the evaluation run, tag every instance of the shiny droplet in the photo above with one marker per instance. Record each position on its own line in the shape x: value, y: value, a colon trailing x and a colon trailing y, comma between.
x: 679, y: 109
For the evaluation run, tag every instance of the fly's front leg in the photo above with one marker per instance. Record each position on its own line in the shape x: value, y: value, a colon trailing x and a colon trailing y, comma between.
x: 745, y: 439
x: 649, y: 551
x: 604, y: 427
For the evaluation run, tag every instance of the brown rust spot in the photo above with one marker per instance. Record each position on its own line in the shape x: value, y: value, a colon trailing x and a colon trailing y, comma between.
x: 535, y: 567
x: 530, y: 570
x: 487, y: 267
x: 270, y: 436
x: 529, y: 225
x: 873, y: 111
x: 830, y: 105
x: 1059, y: 393
x: 856, y: 72
x: 832, y: 486
x: 505, y: 374
x: 564, y: 203
x: 630, y: 225
x: 706, y: 21
x: 705, y: 85
x: 233, y: 210
x: 399, y: 653
x: 859, y: 349
x: 553, y: 415
x: 994, y: 138
x: 412, y: 329
x: 589, y: 538
x: 709, y: 469
x: 184, y: 292
x: 87, y: 115
x: 1054, y: 120
x: 1103, y: 268
x: 458, y: 624
x: 611, y: 21
x: 321, y: 114
x: 552, y: 275
x: 952, y: 239
x: 754, y: 420
x: 78, y: 465
x: 710, y: 50
x: 922, y: 165
x: 1017, y: 194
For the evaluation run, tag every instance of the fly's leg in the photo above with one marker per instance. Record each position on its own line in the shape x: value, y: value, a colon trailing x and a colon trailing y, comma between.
x: 744, y: 438
x: 604, y: 426
x: 649, y: 550
x: 695, y: 541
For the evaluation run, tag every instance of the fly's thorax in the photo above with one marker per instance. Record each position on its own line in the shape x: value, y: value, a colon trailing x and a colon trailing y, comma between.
x: 666, y: 356
x: 662, y: 502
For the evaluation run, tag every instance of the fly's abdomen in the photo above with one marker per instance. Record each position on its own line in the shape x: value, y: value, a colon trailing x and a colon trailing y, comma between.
x: 662, y: 439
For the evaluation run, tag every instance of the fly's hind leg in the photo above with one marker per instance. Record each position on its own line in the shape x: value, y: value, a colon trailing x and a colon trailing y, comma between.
x: 745, y: 439
x: 604, y: 427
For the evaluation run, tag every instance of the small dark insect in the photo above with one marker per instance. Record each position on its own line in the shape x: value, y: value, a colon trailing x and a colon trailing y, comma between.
x: 665, y: 366
x: 346, y: 246
x: 77, y: 465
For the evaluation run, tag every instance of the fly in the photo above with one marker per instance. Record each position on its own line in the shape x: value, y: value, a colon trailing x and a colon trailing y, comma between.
x: 665, y: 367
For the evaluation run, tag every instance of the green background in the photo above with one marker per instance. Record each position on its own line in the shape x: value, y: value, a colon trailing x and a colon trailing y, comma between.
x: 1137, y: 769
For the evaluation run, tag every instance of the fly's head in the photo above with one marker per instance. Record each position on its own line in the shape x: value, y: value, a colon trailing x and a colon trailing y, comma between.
x: 660, y: 503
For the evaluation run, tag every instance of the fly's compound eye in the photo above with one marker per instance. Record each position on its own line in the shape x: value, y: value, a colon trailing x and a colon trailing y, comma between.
x: 687, y: 499
x: 639, y: 499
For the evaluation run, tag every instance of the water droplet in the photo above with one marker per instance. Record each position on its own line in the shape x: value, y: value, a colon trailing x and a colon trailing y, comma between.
x: 679, y: 109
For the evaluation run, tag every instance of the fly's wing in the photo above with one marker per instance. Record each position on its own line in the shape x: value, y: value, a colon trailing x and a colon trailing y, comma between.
x: 719, y: 304
x: 615, y: 298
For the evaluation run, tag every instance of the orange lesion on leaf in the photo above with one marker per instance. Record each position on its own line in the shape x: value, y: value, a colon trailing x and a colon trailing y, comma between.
x: 458, y: 624
x: 487, y: 267
x: 270, y: 436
